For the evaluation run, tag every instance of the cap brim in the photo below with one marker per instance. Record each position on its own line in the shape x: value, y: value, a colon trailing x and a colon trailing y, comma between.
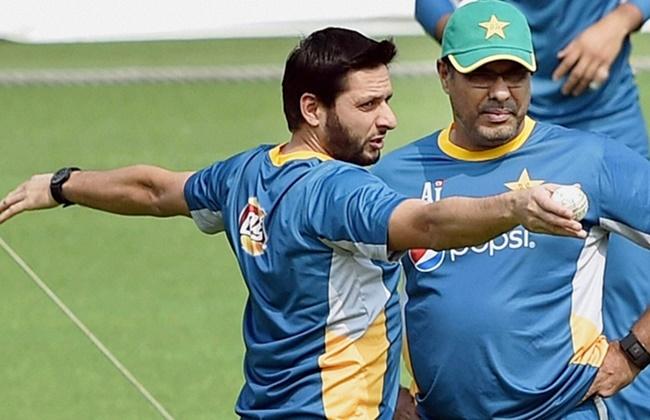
x: 469, y: 61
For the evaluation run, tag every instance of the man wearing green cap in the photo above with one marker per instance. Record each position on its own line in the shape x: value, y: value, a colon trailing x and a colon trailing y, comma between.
x: 513, y: 328
x: 584, y: 80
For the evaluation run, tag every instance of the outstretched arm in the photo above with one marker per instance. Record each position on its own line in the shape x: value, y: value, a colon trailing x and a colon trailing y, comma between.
x: 588, y: 58
x: 460, y: 221
x: 133, y: 190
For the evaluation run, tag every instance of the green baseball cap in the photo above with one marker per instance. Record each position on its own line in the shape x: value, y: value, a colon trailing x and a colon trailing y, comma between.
x: 484, y: 31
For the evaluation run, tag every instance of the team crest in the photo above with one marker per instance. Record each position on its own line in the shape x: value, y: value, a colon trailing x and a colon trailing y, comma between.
x: 252, y: 234
x: 426, y: 260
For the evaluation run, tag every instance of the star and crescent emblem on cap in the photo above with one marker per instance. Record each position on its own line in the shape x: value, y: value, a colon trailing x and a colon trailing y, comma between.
x: 524, y: 182
x: 494, y: 27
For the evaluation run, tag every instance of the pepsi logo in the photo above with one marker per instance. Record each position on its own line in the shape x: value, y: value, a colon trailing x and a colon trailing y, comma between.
x: 426, y: 260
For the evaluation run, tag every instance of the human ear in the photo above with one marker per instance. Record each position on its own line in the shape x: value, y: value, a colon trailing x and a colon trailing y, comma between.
x: 310, y: 109
x: 444, y: 74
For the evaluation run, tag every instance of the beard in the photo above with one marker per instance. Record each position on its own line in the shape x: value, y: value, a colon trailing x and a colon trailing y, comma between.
x: 487, y: 136
x: 345, y: 146
x: 496, y: 136
x: 501, y: 133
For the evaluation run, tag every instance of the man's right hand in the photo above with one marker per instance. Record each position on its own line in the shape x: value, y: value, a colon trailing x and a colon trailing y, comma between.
x: 33, y: 194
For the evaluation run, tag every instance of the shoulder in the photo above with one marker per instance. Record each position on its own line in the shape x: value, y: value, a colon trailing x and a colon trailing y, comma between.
x: 239, y: 159
x: 341, y: 174
x: 414, y: 151
x: 256, y: 152
x: 578, y: 141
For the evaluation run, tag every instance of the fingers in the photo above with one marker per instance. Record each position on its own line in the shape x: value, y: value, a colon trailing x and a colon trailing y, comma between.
x: 549, y: 216
x: 585, y: 76
x: 542, y: 197
x: 31, y: 195
x: 568, y: 58
x: 12, y: 204
x: 587, y: 73
x: 560, y: 226
x: 591, y: 391
x: 12, y: 211
x: 585, y: 66
x: 614, y: 374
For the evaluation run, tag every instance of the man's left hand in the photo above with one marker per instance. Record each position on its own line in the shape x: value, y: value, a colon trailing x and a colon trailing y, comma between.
x: 614, y: 374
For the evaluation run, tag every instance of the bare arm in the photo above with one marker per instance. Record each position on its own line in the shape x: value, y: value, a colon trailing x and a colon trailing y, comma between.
x: 460, y: 221
x: 617, y: 371
x: 588, y: 57
x: 133, y: 190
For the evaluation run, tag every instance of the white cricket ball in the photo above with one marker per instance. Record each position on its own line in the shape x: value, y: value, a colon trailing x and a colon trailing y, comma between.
x: 572, y: 198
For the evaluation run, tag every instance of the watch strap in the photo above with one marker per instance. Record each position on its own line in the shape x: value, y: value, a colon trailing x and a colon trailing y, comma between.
x: 59, y: 178
x: 635, y: 351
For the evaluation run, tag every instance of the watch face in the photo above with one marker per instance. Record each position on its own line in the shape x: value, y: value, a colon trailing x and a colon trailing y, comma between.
x: 59, y: 176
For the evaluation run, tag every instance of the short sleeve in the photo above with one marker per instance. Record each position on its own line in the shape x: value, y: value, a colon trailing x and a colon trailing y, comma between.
x: 351, y: 210
x: 624, y: 186
x: 205, y: 192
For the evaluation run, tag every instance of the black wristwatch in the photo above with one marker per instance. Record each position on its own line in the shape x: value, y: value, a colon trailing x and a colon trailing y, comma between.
x: 59, y: 178
x: 635, y: 351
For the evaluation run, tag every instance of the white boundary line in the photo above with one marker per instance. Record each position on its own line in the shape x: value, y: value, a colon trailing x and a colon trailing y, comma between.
x: 123, y: 370
x: 192, y: 74
x: 175, y: 74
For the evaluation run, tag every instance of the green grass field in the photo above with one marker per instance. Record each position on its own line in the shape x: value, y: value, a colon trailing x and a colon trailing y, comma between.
x: 166, y: 299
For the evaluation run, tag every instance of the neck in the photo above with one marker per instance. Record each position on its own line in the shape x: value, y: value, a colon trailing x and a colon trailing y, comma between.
x: 304, y: 140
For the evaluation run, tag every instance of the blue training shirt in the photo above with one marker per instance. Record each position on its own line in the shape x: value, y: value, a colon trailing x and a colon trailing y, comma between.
x: 322, y: 320
x: 513, y: 328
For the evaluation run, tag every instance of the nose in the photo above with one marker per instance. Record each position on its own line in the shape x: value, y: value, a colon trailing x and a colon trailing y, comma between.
x: 386, y: 118
x: 499, y: 90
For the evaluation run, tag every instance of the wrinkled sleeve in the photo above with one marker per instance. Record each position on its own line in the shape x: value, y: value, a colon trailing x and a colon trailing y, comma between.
x: 352, y: 211
x: 205, y: 193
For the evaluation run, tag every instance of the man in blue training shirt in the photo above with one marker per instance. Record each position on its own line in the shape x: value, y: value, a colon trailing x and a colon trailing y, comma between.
x: 584, y: 80
x: 314, y: 233
x: 524, y: 311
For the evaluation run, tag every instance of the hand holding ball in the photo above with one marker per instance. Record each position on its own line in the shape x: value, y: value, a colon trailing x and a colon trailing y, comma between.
x: 572, y: 198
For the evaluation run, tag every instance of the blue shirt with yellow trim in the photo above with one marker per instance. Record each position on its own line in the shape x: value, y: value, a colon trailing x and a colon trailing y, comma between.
x: 322, y: 320
x: 513, y: 328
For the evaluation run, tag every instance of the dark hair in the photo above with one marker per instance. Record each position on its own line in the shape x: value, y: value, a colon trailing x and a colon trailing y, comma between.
x: 321, y: 62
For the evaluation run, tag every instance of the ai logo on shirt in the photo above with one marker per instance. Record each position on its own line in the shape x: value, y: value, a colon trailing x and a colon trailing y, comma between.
x: 426, y: 260
x: 252, y: 234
